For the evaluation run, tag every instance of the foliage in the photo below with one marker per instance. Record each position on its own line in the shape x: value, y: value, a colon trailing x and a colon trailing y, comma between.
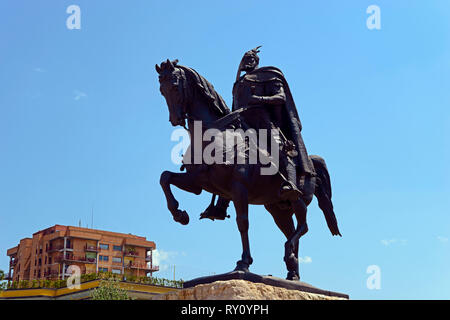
x: 88, y: 277
x: 131, y: 278
x: 2, y: 283
x: 59, y: 284
x: 109, y: 289
x: 47, y: 283
x: 23, y: 284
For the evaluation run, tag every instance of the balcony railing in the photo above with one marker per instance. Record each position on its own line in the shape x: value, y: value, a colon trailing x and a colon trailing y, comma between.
x: 7, y: 277
x: 153, y: 268
x: 71, y: 258
x: 142, y: 266
x: 53, y: 273
x: 131, y: 254
x: 59, y: 248
x: 90, y: 248
x: 12, y: 263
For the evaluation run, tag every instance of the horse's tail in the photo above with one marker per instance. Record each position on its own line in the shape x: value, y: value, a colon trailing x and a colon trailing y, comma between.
x: 323, y: 194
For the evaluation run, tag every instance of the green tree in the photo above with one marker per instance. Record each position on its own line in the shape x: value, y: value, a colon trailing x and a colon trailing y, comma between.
x: 2, y: 283
x: 109, y: 289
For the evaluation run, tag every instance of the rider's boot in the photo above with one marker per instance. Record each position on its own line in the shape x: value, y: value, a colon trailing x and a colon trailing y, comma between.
x: 289, y: 190
x: 218, y: 211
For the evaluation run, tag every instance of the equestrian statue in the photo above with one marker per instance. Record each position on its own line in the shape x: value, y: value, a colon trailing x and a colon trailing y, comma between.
x: 262, y: 105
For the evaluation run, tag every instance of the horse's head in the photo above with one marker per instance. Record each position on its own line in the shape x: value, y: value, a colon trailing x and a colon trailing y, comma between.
x: 171, y: 81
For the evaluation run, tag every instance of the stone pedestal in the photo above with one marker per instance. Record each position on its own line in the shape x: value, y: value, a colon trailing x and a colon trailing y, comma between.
x: 238, y: 285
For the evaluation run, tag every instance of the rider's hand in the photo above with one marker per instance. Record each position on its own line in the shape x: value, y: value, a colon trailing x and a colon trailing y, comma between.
x: 255, y: 99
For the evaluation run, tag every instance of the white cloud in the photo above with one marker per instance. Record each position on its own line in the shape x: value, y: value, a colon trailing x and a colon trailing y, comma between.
x: 387, y: 242
x: 79, y: 95
x: 163, y: 258
x: 442, y: 239
x: 306, y: 259
x: 39, y: 70
x: 392, y: 241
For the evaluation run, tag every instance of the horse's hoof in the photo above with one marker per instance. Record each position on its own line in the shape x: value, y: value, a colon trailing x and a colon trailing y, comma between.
x: 181, y: 217
x: 292, y: 275
x: 242, y: 266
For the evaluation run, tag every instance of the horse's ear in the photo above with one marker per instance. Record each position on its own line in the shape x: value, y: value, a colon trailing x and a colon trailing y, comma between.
x: 175, y: 62
x: 170, y: 65
x: 158, y: 69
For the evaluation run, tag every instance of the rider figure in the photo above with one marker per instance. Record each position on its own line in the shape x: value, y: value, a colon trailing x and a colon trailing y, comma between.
x: 265, y: 92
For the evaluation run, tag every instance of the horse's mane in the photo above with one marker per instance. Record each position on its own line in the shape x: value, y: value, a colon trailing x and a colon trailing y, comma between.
x: 207, y: 90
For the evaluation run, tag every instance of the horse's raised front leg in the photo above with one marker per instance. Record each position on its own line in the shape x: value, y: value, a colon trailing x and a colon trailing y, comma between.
x: 240, y: 200
x: 185, y: 181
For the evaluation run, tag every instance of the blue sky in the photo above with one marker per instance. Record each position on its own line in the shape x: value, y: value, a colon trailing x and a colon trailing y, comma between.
x: 83, y: 125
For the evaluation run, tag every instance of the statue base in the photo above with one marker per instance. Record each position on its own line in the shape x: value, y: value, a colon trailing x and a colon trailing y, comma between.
x: 239, y: 285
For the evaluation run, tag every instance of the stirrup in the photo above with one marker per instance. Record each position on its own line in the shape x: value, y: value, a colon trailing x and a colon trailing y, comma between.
x: 291, y: 194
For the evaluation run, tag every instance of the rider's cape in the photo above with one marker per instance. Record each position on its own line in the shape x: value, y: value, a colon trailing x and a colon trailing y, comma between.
x: 292, y: 126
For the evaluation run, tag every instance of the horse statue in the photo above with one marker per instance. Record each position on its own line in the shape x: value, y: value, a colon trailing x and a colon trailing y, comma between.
x: 191, y: 98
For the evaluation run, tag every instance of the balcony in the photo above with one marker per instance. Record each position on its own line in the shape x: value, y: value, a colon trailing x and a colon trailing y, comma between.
x: 153, y: 268
x: 89, y: 248
x: 51, y: 274
x: 58, y: 248
x: 131, y: 254
x: 72, y: 258
x: 7, y: 277
x: 142, y: 266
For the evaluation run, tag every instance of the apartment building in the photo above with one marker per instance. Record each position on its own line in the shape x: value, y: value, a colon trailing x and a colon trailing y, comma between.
x: 50, y: 253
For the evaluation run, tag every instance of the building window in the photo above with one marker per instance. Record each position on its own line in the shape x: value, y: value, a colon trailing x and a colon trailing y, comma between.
x: 116, y: 271
x: 103, y: 269
x: 104, y: 246
x: 117, y: 248
x: 45, y: 260
x: 49, y: 260
x: 117, y: 259
x: 104, y: 258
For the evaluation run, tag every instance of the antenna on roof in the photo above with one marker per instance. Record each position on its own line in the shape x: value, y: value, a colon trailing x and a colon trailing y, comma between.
x: 79, y: 223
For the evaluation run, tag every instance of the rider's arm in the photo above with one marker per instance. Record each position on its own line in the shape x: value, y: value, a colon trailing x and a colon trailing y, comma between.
x: 278, y: 96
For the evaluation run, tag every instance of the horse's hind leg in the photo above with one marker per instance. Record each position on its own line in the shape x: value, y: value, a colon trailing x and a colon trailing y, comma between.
x: 284, y: 221
x: 185, y: 181
x: 291, y: 245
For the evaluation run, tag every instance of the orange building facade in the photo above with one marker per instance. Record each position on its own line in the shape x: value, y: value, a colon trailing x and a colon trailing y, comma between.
x: 50, y: 253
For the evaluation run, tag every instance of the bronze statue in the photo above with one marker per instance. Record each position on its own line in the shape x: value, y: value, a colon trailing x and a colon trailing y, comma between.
x: 261, y: 100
